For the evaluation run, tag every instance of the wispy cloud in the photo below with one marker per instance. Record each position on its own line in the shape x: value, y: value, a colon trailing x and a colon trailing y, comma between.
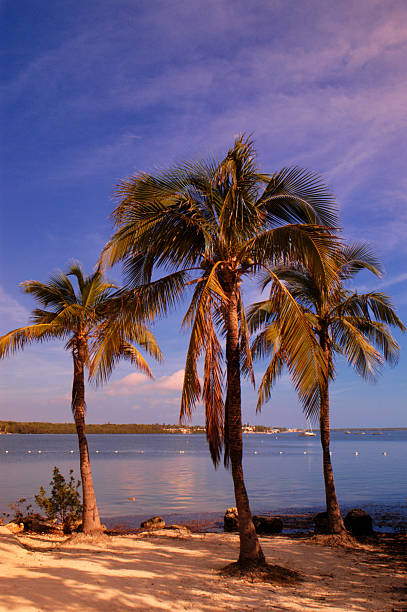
x: 395, y: 280
x: 11, y: 310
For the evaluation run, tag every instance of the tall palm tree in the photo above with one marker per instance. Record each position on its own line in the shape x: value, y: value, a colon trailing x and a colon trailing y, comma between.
x: 82, y: 318
x: 343, y: 323
x: 210, y: 225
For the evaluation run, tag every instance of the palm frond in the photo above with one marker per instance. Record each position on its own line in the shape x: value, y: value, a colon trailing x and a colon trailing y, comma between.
x: 212, y: 392
x: 261, y: 313
x: 367, y: 304
x: 76, y: 270
x: 112, y: 340
x: 356, y: 348
x: 357, y: 256
x: 18, y: 338
x: 147, y: 302
x: 296, y: 195
x: 57, y: 293
x: 207, y: 286
x: 191, y: 390
x: 304, y: 245
x: 379, y: 335
x: 300, y: 283
x: 302, y: 354
x: 246, y: 354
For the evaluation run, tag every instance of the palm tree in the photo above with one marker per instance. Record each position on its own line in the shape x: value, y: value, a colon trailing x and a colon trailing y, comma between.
x: 81, y: 317
x: 210, y: 225
x: 344, y: 323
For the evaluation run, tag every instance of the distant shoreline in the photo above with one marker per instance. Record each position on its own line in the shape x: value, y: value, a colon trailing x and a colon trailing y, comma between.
x: 39, y: 427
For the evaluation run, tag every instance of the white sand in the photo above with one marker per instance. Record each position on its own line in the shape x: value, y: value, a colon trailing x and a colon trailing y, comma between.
x: 160, y: 572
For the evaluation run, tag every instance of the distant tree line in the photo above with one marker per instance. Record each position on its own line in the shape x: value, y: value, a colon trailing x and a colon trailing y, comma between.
x: 37, y: 427
x: 33, y: 427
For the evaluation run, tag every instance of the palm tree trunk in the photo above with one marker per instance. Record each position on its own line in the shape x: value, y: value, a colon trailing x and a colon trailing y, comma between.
x: 90, y: 517
x: 335, y: 521
x: 251, y: 553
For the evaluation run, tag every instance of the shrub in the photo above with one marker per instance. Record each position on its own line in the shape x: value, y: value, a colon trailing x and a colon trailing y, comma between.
x: 64, y: 501
x: 17, y: 512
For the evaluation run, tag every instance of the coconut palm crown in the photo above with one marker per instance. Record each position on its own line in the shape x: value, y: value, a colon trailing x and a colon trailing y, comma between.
x: 206, y: 226
x: 344, y: 322
x: 81, y: 317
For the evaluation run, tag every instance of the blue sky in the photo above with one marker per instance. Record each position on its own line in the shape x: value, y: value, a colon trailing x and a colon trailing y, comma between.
x: 92, y: 91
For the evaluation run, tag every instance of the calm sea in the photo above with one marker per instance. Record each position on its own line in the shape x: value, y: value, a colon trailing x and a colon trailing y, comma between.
x: 172, y: 475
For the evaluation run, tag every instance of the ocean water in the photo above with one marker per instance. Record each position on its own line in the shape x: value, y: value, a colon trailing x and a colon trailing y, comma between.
x: 172, y: 475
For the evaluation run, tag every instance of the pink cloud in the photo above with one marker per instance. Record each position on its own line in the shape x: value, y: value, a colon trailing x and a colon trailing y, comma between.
x: 139, y: 383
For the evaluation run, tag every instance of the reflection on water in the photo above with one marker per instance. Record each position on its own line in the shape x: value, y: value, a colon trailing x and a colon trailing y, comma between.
x: 168, y: 474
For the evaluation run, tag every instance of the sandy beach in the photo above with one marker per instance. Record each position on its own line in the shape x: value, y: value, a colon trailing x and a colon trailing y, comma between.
x: 176, y: 570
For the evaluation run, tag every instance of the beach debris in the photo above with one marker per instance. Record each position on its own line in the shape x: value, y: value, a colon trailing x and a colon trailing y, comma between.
x: 359, y: 522
x: 132, y: 499
x: 356, y: 453
x: 97, y: 452
x: 231, y: 520
x: 281, y: 452
x: 385, y: 453
x: 268, y: 524
x: 71, y: 451
x: 116, y: 452
x: 6, y: 451
x: 181, y: 452
x: 39, y: 452
x: 37, y: 523
x: 156, y: 522
x: 305, y: 453
x: 256, y: 453
x: 29, y: 452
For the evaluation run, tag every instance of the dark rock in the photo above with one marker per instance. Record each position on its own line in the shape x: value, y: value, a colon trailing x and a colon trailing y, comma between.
x: 268, y: 524
x: 359, y: 522
x: 321, y: 523
x: 263, y: 524
x: 231, y: 520
x: 156, y: 522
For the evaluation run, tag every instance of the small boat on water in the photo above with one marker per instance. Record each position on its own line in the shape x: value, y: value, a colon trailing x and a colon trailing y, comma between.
x: 347, y: 431
x: 307, y: 432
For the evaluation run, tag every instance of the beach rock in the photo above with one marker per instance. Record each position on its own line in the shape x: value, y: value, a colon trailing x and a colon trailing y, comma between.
x: 268, y: 524
x: 15, y: 527
x: 321, y: 523
x: 231, y: 520
x: 359, y: 522
x: 156, y: 522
